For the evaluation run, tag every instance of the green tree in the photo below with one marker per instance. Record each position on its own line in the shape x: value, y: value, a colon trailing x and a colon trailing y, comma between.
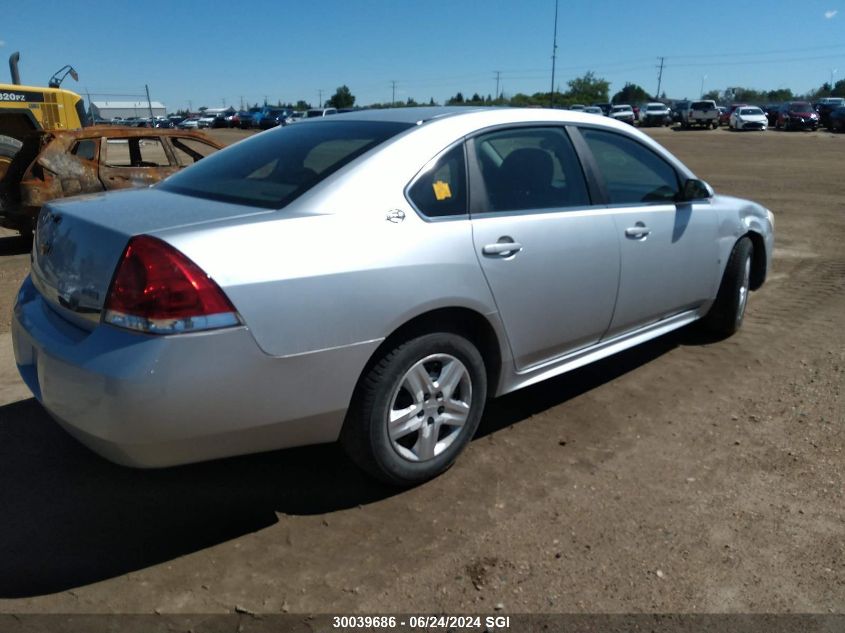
x: 587, y: 89
x: 458, y: 99
x: 302, y: 105
x: 631, y: 93
x: 342, y: 98
x: 781, y: 94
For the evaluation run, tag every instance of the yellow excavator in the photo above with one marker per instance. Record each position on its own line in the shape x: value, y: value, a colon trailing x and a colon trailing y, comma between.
x: 24, y: 109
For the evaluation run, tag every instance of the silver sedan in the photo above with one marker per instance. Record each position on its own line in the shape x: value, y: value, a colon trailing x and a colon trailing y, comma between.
x: 372, y: 278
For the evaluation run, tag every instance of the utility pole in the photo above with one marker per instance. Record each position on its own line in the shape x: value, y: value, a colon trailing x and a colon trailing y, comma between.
x: 498, y: 72
x: 660, y: 78
x: 242, y: 103
x: 554, y: 59
x: 265, y: 100
x: 90, y: 106
x: 319, y: 98
x: 393, y: 94
x: 149, y: 103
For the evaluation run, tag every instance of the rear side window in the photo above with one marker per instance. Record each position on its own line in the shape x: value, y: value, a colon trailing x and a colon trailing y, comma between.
x: 632, y: 172
x: 270, y: 170
x: 441, y: 189
x: 530, y: 168
x: 86, y: 150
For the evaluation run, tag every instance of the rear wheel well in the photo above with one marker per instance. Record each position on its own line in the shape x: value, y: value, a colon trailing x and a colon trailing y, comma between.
x: 758, y: 260
x: 461, y: 321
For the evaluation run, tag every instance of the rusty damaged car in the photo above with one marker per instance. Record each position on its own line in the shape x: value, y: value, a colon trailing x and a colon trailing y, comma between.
x: 58, y: 164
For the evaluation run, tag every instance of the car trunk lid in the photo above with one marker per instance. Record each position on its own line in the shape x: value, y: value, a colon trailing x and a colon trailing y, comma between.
x: 79, y: 243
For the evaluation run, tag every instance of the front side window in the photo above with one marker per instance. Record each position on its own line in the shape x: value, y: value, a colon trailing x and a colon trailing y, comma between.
x: 190, y: 150
x: 271, y: 170
x: 441, y: 189
x: 632, y: 173
x: 136, y: 152
x: 530, y: 168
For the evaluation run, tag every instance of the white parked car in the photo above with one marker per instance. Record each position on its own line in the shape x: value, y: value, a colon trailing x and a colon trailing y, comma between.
x: 748, y: 118
x: 624, y: 113
x: 593, y: 110
x: 655, y: 114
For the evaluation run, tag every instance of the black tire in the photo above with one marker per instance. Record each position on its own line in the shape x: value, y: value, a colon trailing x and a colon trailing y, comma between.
x: 365, y: 436
x: 728, y: 310
x: 8, y: 148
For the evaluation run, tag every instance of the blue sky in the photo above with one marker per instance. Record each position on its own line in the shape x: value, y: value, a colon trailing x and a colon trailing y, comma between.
x: 208, y: 53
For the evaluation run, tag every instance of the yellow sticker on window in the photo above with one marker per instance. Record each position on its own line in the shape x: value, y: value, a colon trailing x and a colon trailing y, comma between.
x: 441, y: 190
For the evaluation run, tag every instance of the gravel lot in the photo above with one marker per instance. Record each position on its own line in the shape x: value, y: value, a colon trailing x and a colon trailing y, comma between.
x: 684, y: 476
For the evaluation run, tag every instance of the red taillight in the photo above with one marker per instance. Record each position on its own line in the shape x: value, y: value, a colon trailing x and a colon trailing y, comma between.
x: 157, y: 289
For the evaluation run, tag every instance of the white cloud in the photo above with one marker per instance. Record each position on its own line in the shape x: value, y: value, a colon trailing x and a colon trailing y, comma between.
x: 829, y: 14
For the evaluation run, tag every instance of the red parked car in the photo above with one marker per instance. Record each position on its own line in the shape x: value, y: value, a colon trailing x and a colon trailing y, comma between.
x: 797, y: 115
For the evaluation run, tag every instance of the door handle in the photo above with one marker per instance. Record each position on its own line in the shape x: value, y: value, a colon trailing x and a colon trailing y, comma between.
x: 638, y: 231
x: 502, y: 248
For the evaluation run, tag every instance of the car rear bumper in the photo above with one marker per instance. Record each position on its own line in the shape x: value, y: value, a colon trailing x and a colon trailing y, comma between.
x: 153, y: 401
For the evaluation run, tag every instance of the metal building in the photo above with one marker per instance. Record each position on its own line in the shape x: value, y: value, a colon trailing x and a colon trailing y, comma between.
x: 124, y: 109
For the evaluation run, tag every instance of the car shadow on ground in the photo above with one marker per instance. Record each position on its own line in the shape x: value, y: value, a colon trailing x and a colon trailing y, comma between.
x: 69, y: 518
x: 15, y: 245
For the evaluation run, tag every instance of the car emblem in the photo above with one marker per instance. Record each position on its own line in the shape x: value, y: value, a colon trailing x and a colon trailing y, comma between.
x: 395, y: 216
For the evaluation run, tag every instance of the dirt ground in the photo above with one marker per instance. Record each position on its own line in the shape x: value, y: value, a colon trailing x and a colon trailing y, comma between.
x: 684, y: 476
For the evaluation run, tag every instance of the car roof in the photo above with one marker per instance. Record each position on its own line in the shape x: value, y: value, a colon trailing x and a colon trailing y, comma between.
x: 408, y: 115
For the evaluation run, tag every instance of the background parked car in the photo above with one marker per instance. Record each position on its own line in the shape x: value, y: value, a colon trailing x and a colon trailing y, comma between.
x: 836, y: 120
x: 748, y: 118
x: 797, y: 115
x: 593, y: 110
x: 655, y: 113
x: 678, y: 111
x: 318, y: 112
x: 827, y: 105
x: 701, y: 113
x: 725, y: 113
x: 605, y: 107
x: 771, y: 111
x: 191, y: 123
x: 271, y: 118
x: 624, y: 113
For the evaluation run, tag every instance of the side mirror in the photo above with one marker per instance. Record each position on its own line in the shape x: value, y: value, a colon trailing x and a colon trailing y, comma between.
x: 695, y: 189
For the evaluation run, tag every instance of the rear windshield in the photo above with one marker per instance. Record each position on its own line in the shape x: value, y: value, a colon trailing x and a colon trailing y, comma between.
x: 703, y: 105
x: 656, y: 107
x: 800, y: 107
x: 750, y: 111
x: 272, y: 169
